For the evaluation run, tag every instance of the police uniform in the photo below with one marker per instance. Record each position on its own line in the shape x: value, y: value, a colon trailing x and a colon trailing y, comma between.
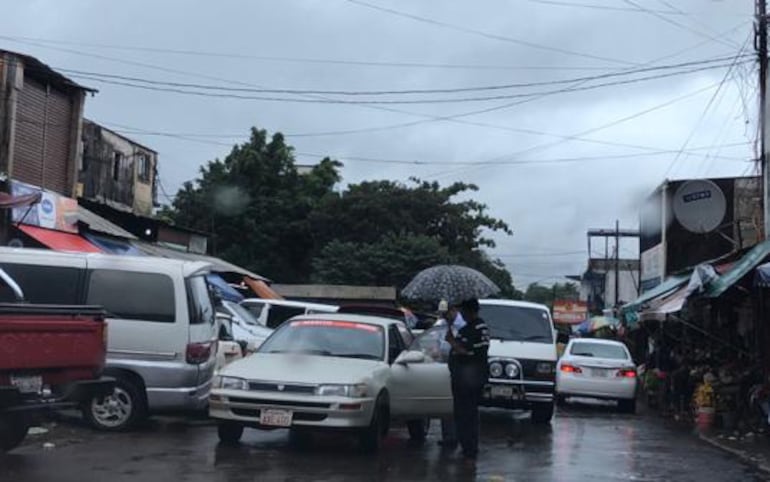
x: 469, y: 373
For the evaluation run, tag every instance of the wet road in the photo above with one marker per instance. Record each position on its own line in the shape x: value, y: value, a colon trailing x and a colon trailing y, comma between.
x: 590, y: 443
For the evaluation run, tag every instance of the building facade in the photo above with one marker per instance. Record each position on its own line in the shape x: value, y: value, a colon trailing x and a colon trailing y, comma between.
x: 117, y: 171
x: 41, y: 121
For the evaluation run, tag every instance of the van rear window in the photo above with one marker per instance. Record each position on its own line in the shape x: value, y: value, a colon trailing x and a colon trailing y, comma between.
x: 43, y: 284
x: 132, y: 295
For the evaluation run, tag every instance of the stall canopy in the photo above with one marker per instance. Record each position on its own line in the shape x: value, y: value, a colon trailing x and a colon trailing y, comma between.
x: 218, y: 265
x: 631, y: 310
x: 226, y: 291
x: 59, y: 240
x: 741, y: 268
x: 664, y: 306
x: 113, y: 245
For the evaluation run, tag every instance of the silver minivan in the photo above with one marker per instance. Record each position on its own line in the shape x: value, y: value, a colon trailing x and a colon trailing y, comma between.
x: 162, y: 334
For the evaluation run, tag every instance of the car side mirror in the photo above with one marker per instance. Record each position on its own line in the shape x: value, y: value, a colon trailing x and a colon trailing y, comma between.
x: 409, y: 357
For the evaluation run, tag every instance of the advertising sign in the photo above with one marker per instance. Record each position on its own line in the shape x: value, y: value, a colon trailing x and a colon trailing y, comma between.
x: 652, y: 267
x: 570, y: 312
x: 52, y: 212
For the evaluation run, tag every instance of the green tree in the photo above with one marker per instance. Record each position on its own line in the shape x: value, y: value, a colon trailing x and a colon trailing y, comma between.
x: 546, y: 295
x: 255, y: 205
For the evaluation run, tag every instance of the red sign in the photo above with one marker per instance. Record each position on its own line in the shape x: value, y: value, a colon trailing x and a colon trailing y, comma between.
x: 570, y: 312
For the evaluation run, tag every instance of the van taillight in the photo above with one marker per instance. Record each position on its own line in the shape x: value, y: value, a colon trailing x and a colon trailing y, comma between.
x: 200, y: 352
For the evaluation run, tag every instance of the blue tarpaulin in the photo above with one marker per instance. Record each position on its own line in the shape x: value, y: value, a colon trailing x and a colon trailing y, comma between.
x: 226, y: 291
x: 113, y: 245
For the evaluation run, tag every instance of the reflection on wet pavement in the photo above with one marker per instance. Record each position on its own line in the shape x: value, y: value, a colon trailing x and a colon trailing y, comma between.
x: 584, y: 442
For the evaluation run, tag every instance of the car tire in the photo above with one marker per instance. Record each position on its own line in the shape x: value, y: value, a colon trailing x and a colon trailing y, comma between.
x: 542, y: 413
x: 418, y: 429
x: 371, y: 437
x: 627, y: 406
x: 120, y: 411
x: 13, y: 429
x: 229, y: 433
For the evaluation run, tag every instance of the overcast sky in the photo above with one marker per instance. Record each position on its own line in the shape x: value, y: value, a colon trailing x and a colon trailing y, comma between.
x: 547, y: 196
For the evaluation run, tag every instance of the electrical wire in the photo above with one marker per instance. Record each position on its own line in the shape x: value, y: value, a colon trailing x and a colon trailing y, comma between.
x: 593, y: 6
x: 157, y: 86
x: 479, y: 33
x: 605, y: 75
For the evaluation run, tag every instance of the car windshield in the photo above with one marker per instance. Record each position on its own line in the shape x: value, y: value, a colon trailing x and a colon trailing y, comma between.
x: 517, y: 323
x: 346, y: 339
x: 244, y: 314
x: 599, y: 350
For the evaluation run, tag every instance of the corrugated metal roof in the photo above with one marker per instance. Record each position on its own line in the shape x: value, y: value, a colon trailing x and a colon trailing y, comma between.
x: 98, y: 224
x: 218, y: 265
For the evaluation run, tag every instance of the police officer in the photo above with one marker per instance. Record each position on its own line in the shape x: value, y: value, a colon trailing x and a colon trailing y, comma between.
x: 469, y: 372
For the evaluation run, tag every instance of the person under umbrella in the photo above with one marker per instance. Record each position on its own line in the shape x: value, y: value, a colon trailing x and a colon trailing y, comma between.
x: 469, y: 373
x: 453, y: 320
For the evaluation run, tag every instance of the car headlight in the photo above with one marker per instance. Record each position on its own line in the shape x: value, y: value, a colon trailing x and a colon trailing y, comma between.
x: 495, y: 369
x: 230, y: 383
x: 545, y: 368
x: 512, y: 370
x: 351, y: 391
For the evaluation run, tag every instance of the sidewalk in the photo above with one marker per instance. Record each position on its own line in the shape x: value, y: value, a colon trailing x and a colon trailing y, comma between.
x: 752, y: 449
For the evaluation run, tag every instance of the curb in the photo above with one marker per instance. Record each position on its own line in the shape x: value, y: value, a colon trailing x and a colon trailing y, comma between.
x: 742, y: 455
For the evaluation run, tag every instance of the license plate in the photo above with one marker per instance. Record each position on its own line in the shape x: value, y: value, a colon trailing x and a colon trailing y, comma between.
x: 600, y: 373
x: 27, y: 384
x: 498, y: 391
x: 275, y: 418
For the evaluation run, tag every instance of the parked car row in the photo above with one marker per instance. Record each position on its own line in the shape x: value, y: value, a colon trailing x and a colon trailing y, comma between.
x: 301, y: 366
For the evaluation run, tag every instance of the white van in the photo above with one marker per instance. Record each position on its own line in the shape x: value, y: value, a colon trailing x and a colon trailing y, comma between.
x: 272, y: 313
x: 161, y: 325
x: 522, y: 357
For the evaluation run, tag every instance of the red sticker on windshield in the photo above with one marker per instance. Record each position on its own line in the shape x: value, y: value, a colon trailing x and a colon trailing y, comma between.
x: 337, y: 324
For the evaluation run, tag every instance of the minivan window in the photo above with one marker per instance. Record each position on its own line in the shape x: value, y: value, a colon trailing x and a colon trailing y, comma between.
x: 255, y: 308
x: 133, y: 295
x: 199, y: 300
x: 517, y: 323
x: 278, y: 314
x: 43, y: 284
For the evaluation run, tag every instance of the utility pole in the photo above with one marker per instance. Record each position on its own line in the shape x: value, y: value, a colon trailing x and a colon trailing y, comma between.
x: 760, y: 44
x: 617, y: 264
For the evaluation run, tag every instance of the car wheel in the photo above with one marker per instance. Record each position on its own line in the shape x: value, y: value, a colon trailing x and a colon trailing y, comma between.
x: 418, y: 429
x: 542, y: 413
x: 371, y: 437
x: 13, y: 429
x: 119, y: 411
x: 627, y: 406
x: 230, y: 433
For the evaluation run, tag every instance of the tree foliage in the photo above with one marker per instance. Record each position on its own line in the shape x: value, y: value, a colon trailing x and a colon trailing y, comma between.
x: 546, y: 295
x: 264, y: 215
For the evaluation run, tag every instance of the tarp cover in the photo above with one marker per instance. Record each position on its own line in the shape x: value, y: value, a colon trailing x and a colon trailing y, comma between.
x: 59, y: 240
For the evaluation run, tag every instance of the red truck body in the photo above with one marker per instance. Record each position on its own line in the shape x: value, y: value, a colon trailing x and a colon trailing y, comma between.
x: 50, y: 357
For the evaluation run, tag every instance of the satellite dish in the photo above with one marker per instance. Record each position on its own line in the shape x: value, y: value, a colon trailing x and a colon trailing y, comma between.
x: 700, y: 206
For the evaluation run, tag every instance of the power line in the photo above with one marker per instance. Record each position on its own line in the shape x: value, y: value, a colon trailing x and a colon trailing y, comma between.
x: 678, y: 24
x: 605, y: 75
x: 595, y: 129
x: 301, y: 60
x: 480, y: 33
x: 159, y: 86
x: 705, y: 110
x: 594, y: 6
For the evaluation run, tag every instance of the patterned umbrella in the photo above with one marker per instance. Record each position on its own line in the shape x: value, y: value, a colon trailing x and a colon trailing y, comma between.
x: 449, y: 282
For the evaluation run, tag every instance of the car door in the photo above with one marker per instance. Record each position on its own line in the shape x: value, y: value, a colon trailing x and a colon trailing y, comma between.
x: 422, y: 389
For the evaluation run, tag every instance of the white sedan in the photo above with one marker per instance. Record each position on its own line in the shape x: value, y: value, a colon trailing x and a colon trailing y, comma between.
x: 332, y: 371
x: 597, y: 368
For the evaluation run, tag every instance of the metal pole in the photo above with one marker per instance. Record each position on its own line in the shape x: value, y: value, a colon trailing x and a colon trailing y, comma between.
x: 617, y: 263
x: 761, y: 47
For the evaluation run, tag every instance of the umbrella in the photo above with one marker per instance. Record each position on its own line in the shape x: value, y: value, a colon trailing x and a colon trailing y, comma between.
x: 453, y: 283
x: 596, y: 323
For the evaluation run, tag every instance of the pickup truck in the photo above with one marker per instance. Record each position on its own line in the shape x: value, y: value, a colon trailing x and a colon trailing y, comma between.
x: 51, y: 357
